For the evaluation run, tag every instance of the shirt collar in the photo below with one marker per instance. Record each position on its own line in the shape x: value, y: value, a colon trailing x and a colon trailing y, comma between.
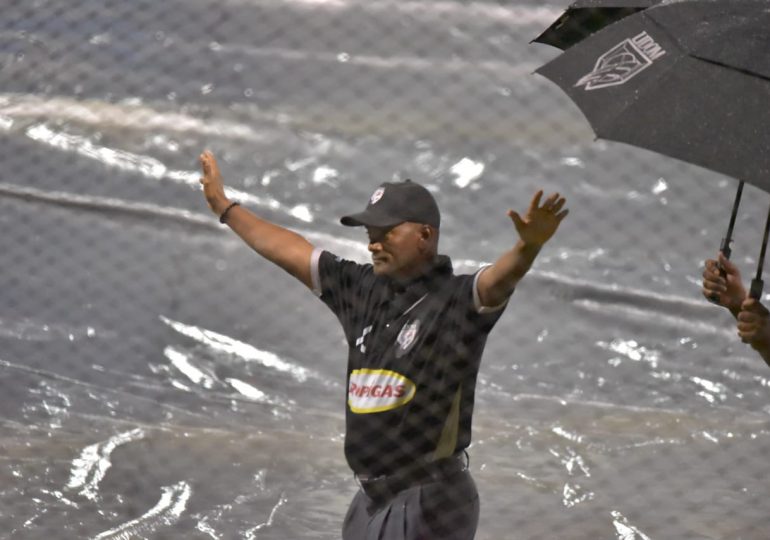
x: 438, y: 271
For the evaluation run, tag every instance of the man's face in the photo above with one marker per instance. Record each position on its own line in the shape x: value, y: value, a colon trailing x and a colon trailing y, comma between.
x: 397, y: 251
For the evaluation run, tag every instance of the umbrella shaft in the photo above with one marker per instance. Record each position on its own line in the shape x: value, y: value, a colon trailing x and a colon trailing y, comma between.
x: 725, y: 248
x: 756, y: 284
x: 761, y: 262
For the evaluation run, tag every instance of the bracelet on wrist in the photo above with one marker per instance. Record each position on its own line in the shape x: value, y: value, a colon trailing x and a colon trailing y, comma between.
x: 223, y: 215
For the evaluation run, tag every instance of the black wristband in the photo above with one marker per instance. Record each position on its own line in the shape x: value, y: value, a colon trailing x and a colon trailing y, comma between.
x: 223, y: 216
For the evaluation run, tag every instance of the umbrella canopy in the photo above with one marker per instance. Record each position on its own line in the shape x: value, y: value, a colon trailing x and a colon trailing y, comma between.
x: 690, y: 80
x: 584, y: 17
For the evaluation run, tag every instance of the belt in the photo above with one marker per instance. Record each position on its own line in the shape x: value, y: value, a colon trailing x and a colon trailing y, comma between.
x: 387, y: 485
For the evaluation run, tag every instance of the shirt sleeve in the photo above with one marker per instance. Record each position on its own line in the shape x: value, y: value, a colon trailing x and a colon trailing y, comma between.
x: 480, y: 308
x: 477, y: 318
x: 340, y: 284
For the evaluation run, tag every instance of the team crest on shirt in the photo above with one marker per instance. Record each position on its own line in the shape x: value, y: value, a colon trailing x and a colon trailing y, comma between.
x: 377, y: 195
x: 407, y: 336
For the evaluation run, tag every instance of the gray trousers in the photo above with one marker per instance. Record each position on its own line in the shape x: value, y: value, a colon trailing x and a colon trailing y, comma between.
x: 447, y: 509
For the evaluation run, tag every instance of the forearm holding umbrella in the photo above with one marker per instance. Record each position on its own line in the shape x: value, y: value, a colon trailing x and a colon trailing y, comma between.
x: 754, y: 327
x: 723, y: 284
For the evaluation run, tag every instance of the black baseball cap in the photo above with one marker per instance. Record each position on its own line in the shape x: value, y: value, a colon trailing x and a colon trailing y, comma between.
x: 396, y: 202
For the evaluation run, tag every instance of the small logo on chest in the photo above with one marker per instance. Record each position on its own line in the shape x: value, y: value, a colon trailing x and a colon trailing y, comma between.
x: 407, y: 336
x: 360, y: 340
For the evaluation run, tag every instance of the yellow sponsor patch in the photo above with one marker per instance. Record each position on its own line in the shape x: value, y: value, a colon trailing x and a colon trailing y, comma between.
x: 378, y: 390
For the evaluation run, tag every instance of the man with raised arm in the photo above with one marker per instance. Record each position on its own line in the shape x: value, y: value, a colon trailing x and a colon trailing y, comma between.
x: 415, y: 334
x: 723, y: 285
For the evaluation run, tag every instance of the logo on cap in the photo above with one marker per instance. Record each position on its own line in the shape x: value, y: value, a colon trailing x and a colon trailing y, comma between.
x: 377, y: 195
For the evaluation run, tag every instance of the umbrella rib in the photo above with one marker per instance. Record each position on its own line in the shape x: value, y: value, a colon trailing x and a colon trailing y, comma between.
x: 703, y: 58
x: 733, y: 68
x: 673, y: 38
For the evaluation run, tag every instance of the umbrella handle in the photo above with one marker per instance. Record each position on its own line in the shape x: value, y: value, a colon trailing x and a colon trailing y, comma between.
x: 725, y: 248
x: 728, y: 238
x: 726, y: 251
x: 756, y: 289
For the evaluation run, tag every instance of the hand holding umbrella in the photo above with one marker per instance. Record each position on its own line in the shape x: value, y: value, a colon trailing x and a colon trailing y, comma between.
x: 723, y: 285
x: 754, y: 327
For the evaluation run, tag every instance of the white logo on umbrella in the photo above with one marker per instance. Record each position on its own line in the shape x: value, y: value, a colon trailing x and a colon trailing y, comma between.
x: 377, y: 195
x: 623, y: 62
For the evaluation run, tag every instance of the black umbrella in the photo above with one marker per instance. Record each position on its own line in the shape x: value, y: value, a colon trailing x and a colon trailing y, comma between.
x: 584, y: 17
x: 690, y: 80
